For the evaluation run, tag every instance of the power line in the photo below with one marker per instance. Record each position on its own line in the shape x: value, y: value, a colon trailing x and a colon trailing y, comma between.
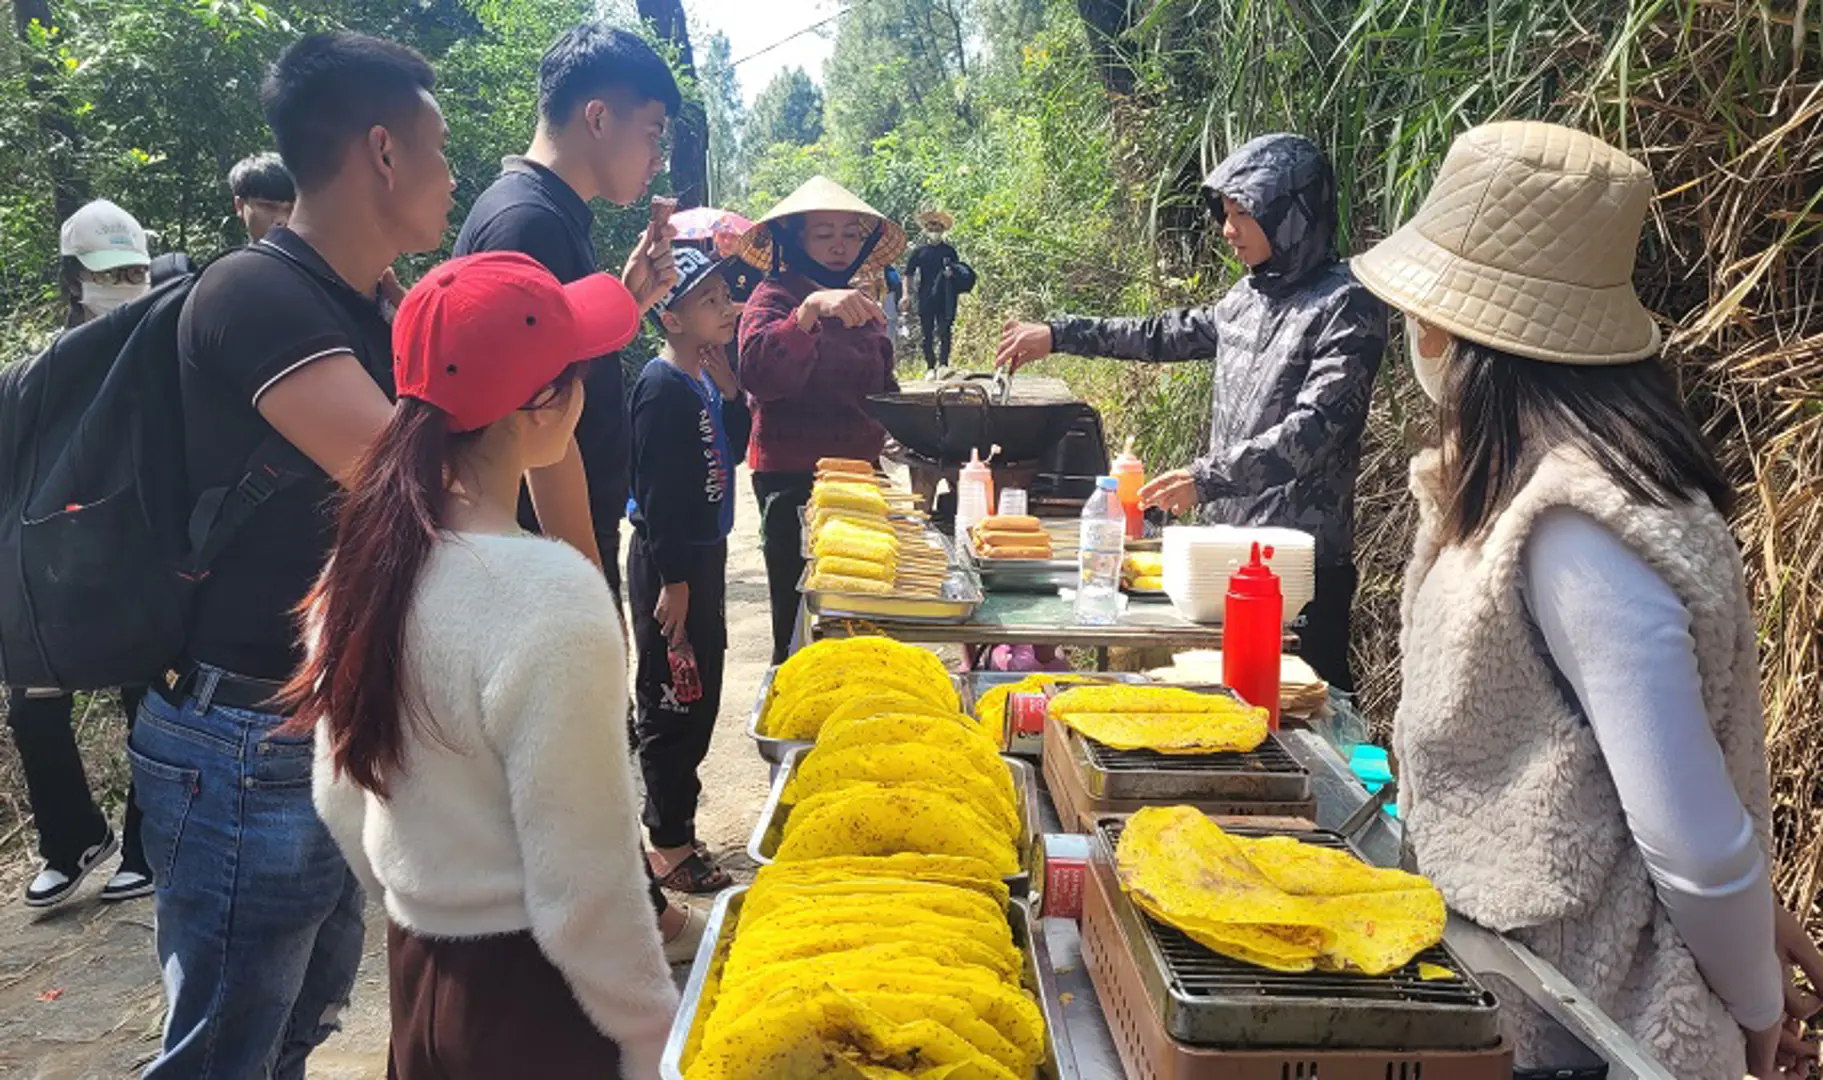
x: 812, y: 28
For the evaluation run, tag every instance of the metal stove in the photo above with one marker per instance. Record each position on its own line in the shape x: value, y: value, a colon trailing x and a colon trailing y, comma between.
x: 1089, y: 780
x: 1180, y: 1011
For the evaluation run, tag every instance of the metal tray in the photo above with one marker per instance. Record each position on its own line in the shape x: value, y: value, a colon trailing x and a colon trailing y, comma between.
x: 774, y: 750
x: 766, y: 831
x: 1267, y: 773
x: 961, y: 596
x: 718, y: 937
x: 1028, y: 575
x: 1207, y: 999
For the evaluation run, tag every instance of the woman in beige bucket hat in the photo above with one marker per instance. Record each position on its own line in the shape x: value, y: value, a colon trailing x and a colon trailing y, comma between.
x: 1580, y: 741
x: 812, y: 349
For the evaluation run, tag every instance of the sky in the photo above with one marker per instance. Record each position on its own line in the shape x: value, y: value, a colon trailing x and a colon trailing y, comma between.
x: 752, y: 25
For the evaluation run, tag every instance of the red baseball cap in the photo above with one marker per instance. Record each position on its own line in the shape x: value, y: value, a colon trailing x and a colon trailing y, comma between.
x: 479, y: 336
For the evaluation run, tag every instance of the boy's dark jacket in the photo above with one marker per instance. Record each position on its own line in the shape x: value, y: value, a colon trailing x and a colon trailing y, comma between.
x: 677, y: 503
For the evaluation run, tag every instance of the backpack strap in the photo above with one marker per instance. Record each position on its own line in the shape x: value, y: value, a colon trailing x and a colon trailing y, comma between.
x: 273, y: 466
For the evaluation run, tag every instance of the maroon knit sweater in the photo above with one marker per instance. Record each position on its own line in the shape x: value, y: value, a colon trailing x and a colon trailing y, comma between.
x: 809, y: 390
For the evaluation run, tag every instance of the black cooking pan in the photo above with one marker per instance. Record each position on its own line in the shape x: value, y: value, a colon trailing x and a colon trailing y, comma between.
x: 945, y: 424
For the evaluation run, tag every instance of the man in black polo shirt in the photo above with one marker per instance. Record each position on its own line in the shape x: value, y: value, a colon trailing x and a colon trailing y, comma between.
x: 604, y: 100
x: 285, y: 360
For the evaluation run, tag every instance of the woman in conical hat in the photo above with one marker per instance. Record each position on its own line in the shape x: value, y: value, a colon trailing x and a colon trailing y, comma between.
x: 812, y: 349
x: 1581, y: 748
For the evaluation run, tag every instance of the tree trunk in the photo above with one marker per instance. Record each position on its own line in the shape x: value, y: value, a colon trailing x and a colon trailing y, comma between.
x: 690, y: 145
x: 62, y: 143
x: 1107, y: 21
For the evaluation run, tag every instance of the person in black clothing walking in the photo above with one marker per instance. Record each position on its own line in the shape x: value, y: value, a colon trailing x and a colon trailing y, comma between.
x: 931, y: 273
x: 690, y: 428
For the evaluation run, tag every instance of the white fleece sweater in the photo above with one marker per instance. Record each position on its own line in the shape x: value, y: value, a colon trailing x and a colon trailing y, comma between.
x: 515, y: 809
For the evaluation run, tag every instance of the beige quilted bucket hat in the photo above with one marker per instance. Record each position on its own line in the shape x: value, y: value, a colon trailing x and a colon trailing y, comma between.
x: 1526, y: 243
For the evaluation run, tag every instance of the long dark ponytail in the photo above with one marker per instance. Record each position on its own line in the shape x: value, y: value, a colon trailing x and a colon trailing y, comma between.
x: 1502, y: 412
x: 353, y: 680
x: 350, y: 679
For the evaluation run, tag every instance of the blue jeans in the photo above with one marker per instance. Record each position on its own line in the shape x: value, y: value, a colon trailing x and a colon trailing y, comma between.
x: 259, y: 916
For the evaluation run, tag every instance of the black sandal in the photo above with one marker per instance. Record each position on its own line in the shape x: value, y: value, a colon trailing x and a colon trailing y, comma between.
x: 696, y: 876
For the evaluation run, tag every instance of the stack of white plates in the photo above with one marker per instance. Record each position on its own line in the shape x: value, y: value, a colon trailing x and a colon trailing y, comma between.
x: 1199, y: 560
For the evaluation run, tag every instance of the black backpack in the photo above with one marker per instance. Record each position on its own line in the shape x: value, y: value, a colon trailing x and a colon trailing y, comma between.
x: 962, y: 277
x: 101, y: 546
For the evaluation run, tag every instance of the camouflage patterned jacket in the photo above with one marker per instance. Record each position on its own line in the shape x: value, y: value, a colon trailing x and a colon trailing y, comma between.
x: 1296, y: 345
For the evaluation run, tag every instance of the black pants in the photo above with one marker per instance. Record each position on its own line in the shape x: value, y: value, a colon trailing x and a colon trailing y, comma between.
x: 673, y: 735
x: 936, y: 326
x: 68, y: 820
x: 1323, y: 629
x: 781, y: 541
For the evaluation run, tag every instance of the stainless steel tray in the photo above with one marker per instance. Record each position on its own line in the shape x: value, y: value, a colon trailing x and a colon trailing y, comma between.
x: 1028, y: 575
x: 1267, y: 773
x: 961, y: 596
x: 718, y: 936
x: 1206, y: 999
x: 774, y: 750
x: 766, y: 831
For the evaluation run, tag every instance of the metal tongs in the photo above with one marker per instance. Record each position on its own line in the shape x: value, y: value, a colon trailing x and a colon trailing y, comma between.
x: 1356, y: 823
x: 1003, y: 386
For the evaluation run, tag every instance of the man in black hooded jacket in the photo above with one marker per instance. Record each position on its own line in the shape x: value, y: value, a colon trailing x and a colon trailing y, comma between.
x: 1296, y: 345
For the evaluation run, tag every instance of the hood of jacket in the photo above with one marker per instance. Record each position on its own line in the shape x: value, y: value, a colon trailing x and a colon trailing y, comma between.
x: 1286, y: 182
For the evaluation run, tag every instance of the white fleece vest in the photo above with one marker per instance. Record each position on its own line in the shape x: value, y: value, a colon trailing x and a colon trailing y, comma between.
x: 1507, y: 801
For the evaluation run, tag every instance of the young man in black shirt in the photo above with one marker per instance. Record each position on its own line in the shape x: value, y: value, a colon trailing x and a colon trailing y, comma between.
x: 604, y: 101
x: 285, y: 363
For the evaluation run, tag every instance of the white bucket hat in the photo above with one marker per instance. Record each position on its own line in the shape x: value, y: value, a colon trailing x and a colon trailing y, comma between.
x: 102, y: 236
x: 822, y: 193
x: 1526, y: 243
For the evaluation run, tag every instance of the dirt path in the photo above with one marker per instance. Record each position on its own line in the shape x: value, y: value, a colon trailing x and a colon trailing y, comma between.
x: 79, y: 987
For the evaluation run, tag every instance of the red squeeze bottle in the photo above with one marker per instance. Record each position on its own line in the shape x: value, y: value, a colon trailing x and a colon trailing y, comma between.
x: 1252, y: 631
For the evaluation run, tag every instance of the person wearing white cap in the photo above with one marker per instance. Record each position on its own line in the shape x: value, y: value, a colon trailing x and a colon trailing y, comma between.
x: 104, y: 265
x: 106, y: 261
x: 1580, y: 742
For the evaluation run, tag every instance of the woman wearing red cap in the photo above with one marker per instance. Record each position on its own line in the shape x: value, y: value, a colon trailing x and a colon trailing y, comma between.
x: 454, y: 681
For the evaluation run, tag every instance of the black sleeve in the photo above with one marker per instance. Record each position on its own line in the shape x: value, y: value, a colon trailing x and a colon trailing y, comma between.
x: 1184, y: 334
x: 667, y: 483
x: 737, y: 424
x: 252, y: 320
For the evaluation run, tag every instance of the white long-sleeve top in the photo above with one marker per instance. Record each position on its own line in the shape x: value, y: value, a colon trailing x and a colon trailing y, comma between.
x: 515, y: 809
x: 1621, y: 637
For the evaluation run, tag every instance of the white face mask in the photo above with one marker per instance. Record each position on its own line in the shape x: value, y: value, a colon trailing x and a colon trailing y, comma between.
x: 99, y: 298
x: 1429, y: 369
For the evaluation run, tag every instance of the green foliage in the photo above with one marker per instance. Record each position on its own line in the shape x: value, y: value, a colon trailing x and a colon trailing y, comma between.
x: 163, y: 97
x: 788, y: 110
x: 727, y: 115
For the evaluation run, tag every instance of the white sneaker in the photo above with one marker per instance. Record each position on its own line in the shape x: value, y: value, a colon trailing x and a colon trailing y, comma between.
x: 126, y: 885
x: 53, y: 886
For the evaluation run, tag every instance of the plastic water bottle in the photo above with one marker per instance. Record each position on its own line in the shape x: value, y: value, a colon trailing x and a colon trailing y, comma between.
x: 1099, y: 551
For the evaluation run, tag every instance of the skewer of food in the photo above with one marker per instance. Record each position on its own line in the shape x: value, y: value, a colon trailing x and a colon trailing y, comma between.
x: 1011, y: 536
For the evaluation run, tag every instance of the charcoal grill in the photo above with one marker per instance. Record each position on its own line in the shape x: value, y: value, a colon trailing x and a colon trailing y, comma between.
x: 1205, y: 999
x: 1088, y: 780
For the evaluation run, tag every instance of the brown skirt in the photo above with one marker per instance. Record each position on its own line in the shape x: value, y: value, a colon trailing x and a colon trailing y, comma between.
x: 485, y: 1008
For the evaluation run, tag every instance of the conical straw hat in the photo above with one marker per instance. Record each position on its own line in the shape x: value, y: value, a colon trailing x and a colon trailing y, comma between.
x: 822, y: 193
x: 1526, y: 243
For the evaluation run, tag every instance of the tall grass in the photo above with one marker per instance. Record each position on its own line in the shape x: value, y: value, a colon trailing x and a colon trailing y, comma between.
x: 1723, y: 99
